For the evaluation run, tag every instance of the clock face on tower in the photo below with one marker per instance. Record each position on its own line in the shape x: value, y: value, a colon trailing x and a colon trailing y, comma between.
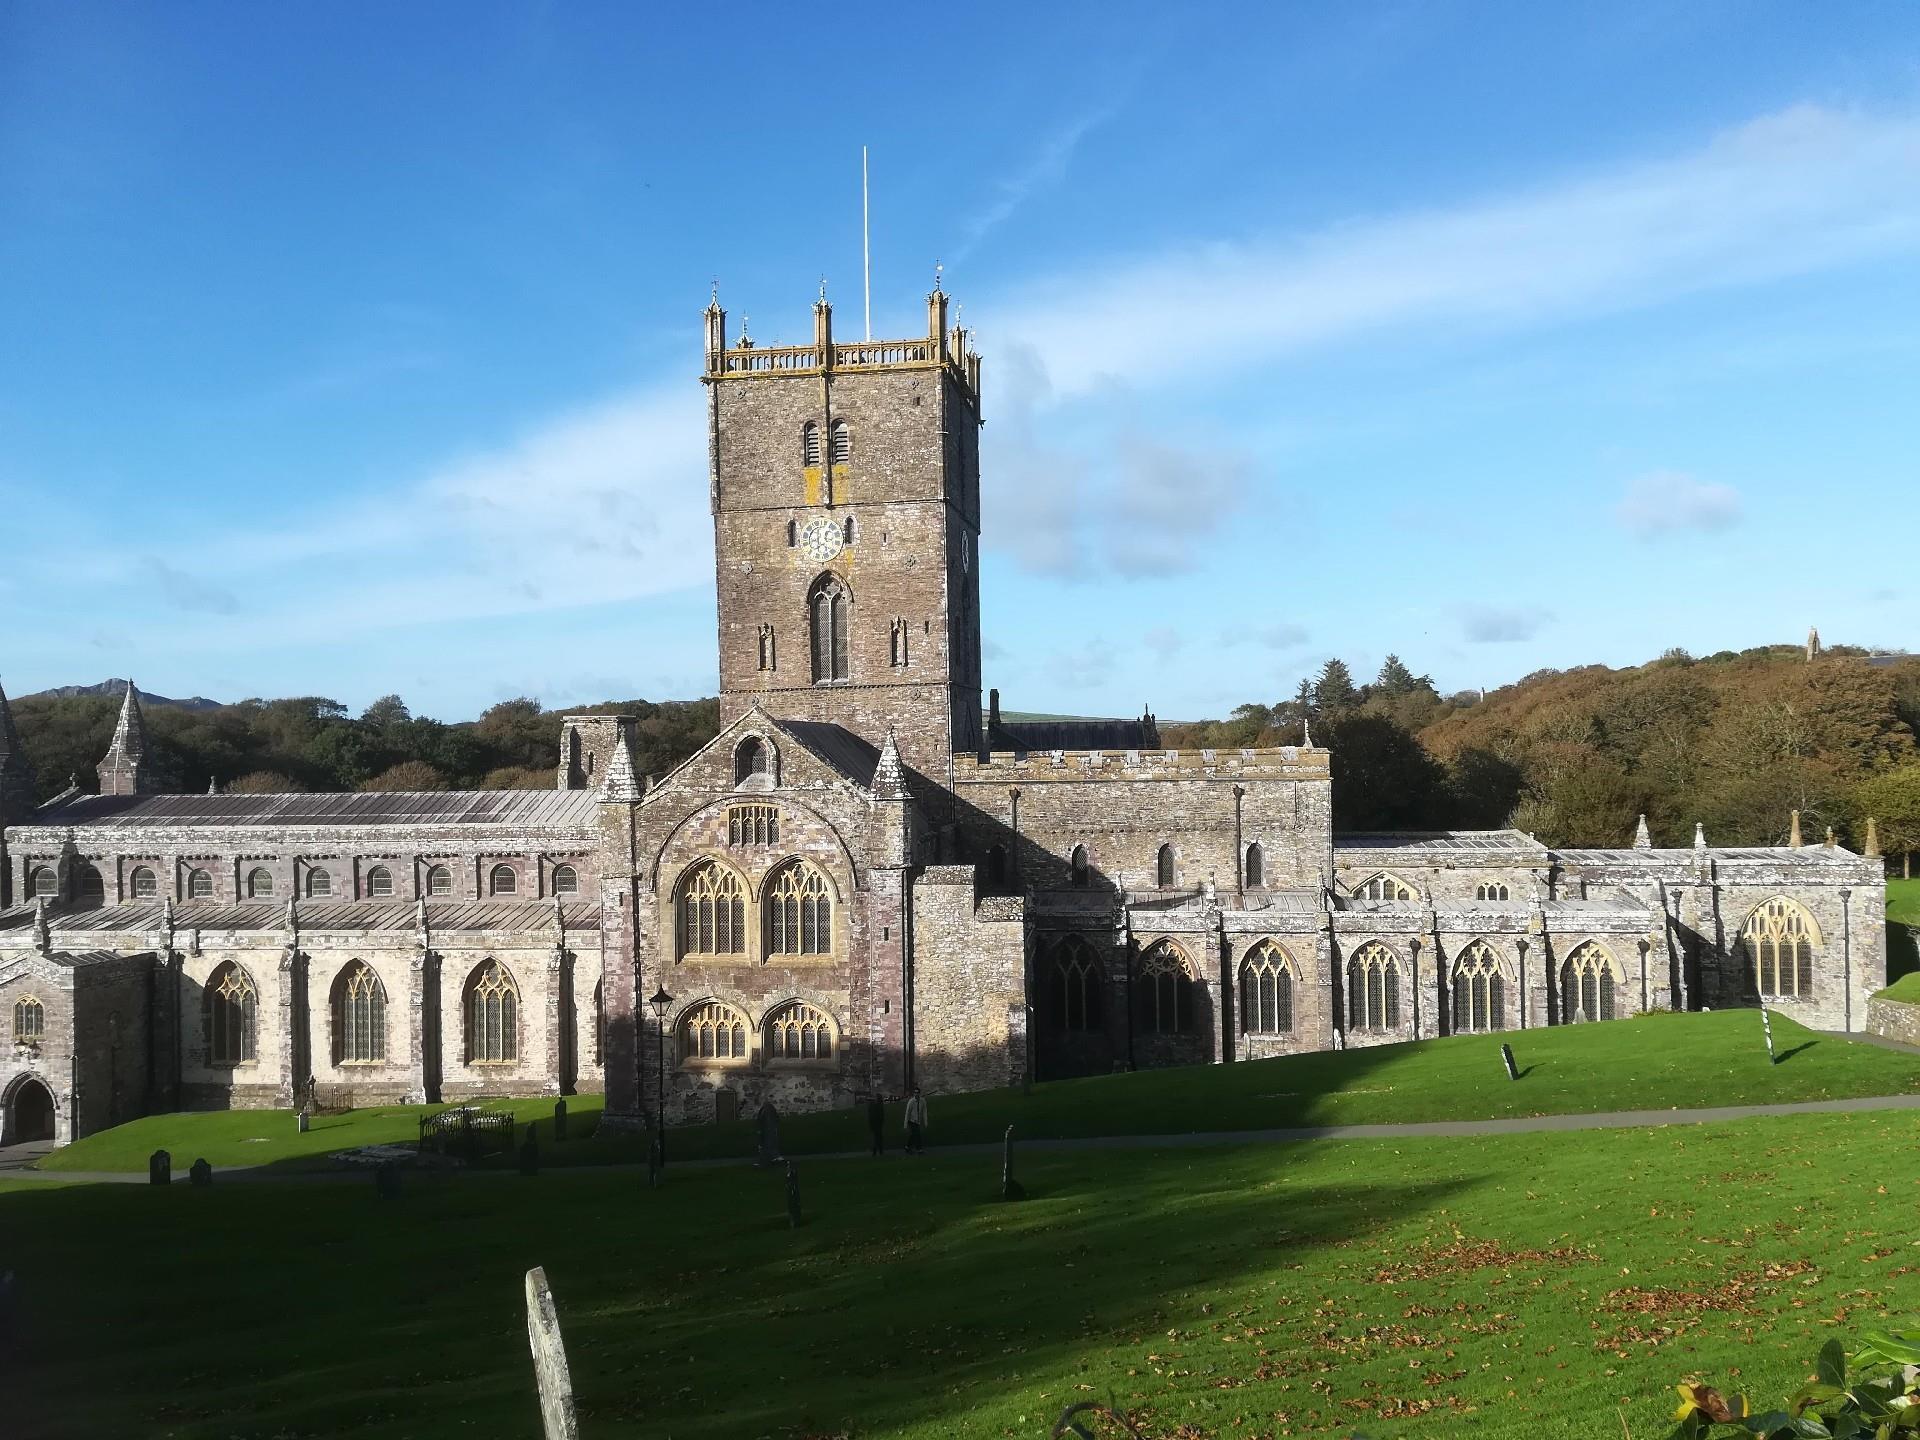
x: 820, y: 540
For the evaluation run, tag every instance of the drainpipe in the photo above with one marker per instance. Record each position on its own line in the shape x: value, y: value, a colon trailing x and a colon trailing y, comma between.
x: 1846, y: 950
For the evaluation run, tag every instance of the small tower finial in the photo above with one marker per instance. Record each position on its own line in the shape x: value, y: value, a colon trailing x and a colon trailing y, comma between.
x: 938, y: 270
x: 1642, y: 837
x: 1793, y: 831
x: 1699, y: 835
x: 1831, y: 839
x: 823, y: 289
x: 1872, y: 850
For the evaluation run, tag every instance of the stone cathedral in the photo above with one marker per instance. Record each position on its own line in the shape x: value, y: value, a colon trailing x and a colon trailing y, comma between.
x: 863, y: 882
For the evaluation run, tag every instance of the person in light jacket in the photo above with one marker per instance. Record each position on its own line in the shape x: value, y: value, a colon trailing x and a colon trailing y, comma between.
x: 916, y: 1122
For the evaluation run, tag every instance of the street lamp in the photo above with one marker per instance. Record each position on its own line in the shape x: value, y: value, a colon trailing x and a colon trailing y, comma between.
x: 660, y: 1004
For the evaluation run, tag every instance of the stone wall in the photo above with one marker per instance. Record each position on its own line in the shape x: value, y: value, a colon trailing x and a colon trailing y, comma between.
x: 1894, y: 1020
x: 970, y: 1027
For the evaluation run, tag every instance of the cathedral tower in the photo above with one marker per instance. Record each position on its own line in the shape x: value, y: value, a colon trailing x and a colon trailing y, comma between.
x: 845, y: 485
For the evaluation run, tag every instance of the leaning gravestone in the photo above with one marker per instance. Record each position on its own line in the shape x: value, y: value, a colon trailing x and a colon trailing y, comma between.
x: 793, y: 1197
x: 160, y: 1168
x: 1010, y: 1188
x: 1506, y: 1059
x: 769, y: 1122
x: 549, y: 1360
x: 559, y: 1121
x: 201, y: 1174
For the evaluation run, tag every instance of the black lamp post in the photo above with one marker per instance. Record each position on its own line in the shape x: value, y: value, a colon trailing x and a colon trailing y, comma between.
x: 660, y: 1004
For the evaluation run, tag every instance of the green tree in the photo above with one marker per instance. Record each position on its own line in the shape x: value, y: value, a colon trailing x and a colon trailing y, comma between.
x: 1334, y: 690
x: 1892, y: 798
x: 408, y: 775
x: 1383, y: 779
x: 386, y: 712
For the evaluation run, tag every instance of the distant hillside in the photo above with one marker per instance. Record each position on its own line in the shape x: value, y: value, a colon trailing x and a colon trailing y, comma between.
x: 116, y: 688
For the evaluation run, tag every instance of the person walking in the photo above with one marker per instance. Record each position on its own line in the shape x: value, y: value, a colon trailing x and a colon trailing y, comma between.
x: 877, y: 1123
x: 916, y: 1122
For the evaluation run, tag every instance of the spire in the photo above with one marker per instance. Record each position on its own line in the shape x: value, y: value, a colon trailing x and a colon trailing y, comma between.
x: 16, y: 775
x: 1793, y: 832
x: 620, y: 783
x: 889, y: 777
x: 1872, y: 850
x: 1642, y: 839
x: 9, y: 737
x: 125, y: 758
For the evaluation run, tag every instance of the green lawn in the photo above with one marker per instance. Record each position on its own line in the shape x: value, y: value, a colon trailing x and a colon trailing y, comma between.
x: 1650, y: 1063
x: 1518, y: 1286
x: 1906, y: 989
x: 1903, y: 901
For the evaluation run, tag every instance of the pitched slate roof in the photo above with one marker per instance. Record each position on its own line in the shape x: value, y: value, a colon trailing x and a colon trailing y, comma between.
x: 1436, y: 844
x: 526, y: 808
x: 845, y: 751
x: 317, y: 916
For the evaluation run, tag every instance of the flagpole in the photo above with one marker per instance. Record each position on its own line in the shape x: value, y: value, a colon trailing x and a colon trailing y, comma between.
x: 866, y: 250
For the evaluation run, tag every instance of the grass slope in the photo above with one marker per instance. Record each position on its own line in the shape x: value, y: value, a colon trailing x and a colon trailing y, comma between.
x: 1903, y: 901
x: 1518, y: 1286
x: 1653, y: 1062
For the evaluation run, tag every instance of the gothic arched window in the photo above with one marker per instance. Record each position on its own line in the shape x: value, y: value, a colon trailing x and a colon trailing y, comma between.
x: 439, y: 882
x: 232, y: 1014
x: 29, y: 1018
x: 1163, y: 867
x: 1777, y: 943
x: 199, y: 885
x: 1256, y: 866
x: 1386, y: 887
x: 799, y: 1032
x: 1373, y: 988
x: 1072, y: 989
x: 1491, y: 890
x: 145, y: 885
x: 1078, y: 863
x: 712, y: 1031
x: 1266, y: 991
x: 359, y: 1016
x: 829, y: 617
x: 1163, y: 991
x: 493, y: 1016
x: 1479, y: 990
x: 259, y: 885
x: 712, y: 907
x: 503, y: 880
x: 566, y: 880
x: 799, y: 919
x: 379, y: 883
x: 1588, y: 982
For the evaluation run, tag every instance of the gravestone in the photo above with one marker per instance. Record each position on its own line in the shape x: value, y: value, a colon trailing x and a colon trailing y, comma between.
x: 557, y: 1419
x: 559, y: 1121
x: 656, y: 1159
x: 1010, y: 1188
x: 1506, y: 1059
x: 1766, y: 1029
x: 769, y: 1122
x: 793, y: 1197
x: 201, y: 1173
x: 160, y: 1168
x: 303, y: 1122
x: 386, y: 1181
x: 10, y: 1327
x: 530, y: 1154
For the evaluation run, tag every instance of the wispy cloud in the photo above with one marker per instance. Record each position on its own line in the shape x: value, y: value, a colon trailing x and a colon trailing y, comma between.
x: 1501, y: 624
x: 1666, y: 501
x: 1046, y: 167
x: 188, y: 592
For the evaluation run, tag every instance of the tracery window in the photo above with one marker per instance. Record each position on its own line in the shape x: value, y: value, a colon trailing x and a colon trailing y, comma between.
x: 439, y: 881
x: 259, y: 884
x: 753, y: 825
x: 1587, y: 984
x: 1373, y: 988
x: 1491, y: 891
x: 799, y: 1032
x: 1163, y: 991
x: 379, y: 883
x: 1078, y: 862
x: 829, y: 614
x: 841, y: 440
x: 1073, y: 987
x: 1777, y: 942
x: 493, y: 1016
x: 232, y: 1014
x: 713, y: 1031
x: 1479, y: 990
x: 1163, y: 867
x: 566, y: 880
x: 1386, y: 887
x: 799, y: 913
x: 503, y: 880
x: 1266, y: 991
x: 44, y: 884
x: 145, y: 885
x: 712, y: 908
x: 29, y: 1019
x: 359, y: 1016
x: 199, y: 885
x: 1256, y: 866
x: 319, y: 883
x: 90, y: 886
x: 810, y: 443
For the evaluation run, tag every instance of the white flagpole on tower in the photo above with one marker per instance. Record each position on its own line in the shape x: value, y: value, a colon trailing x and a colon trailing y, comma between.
x: 866, y: 249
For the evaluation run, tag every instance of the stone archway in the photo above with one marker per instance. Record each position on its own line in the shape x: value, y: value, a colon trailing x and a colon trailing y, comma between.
x: 29, y: 1112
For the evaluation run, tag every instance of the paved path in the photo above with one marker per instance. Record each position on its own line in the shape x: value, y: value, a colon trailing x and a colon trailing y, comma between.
x: 1435, y: 1129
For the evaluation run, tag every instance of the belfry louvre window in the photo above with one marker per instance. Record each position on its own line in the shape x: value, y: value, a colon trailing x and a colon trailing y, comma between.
x: 829, y: 616
x: 1373, y: 988
x: 259, y: 885
x: 493, y: 1016
x: 29, y: 1019
x: 199, y: 885
x: 810, y: 443
x: 1479, y: 991
x: 1386, y: 887
x: 1587, y: 984
x: 712, y: 1031
x: 566, y: 880
x: 360, y: 1017
x: 713, y: 912
x: 1163, y: 990
x: 799, y: 1032
x: 146, y: 885
x: 1072, y: 993
x: 44, y: 884
x: 841, y: 439
x: 439, y: 881
x: 799, y: 913
x: 1778, y: 944
x: 232, y: 1016
x: 753, y: 825
x: 1266, y: 991
x: 379, y: 883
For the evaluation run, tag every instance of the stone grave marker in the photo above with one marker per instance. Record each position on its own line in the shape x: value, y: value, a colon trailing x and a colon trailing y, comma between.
x: 160, y: 1168
x: 768, y: 1121
x: 1506, y: 1059
x: 1010, y: 1188
x: 793, y: 1197
x: 386, y: 1181
x: 557, y: 1419
x: 303, y: 1122
x: 201, y: 1173
x: 559, y: 1121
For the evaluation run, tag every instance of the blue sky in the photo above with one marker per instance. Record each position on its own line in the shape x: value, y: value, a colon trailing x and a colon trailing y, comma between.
x: 352, y: 348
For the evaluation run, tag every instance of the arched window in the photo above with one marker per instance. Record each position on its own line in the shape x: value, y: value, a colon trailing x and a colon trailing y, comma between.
x: 319, y: 884
x: 712, y: 907
x: 1386, y: 887
x: 799, y: 920
x: 829, y: 616
x: 996, y: 865
x: 89, y: 886
x: 439, y: 881
x: 259, y: 884
x: 1587, y: 984
x: 44, y: 884
x: 1072, y: 987
x: 810, y: 443
x: 1479, y: 991
x: 1373, y: 988
x: 232, y: 1014
x: 841, y: 438
x: 29, y: 1019
x: 1256, y: 866
x: 493, y: 1016
x: 1266, y: 991
x: 1078, y: 862
x: 799, y: 1032
x: 711, y: 1031
x: 752, y: 760
x: 1163, y: 867
x: 145, y: 884
x: 566, y: 880
x: 793, y: 533
x: 1491, y: 890
x: 199, y: 885
x: 1777, y: 944
x: 600, y: 1021
x: 379, y: 883
x: 847, y: 530
x: 359, y: 1016
x: 503, y: 880
x: 1163, y: 991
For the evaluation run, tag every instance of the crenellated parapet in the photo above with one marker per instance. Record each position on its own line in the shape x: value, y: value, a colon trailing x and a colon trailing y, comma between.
x: 1284, y: 762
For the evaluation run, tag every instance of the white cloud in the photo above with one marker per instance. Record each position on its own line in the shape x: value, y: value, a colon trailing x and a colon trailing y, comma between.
x: 1284, y: 636
x: 1669, y: 500
x: 1047, y: 167
x: 1498, y: 624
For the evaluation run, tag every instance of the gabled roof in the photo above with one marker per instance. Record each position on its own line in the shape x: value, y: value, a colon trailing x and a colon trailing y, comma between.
x: 1445, y: 844
x: 845, y: 751
x: 527, y: 808
x: 315, y: 915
